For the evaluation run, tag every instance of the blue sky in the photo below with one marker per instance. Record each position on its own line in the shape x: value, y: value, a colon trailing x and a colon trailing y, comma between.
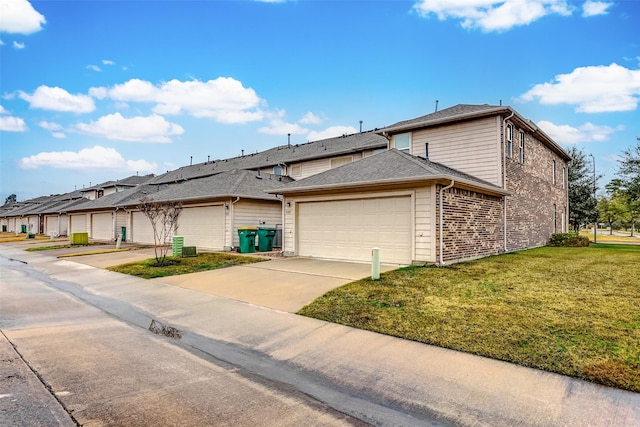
x: 92, y: 91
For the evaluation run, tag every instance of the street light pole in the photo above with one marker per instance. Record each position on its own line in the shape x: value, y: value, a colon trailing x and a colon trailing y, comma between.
x: 595, y: 220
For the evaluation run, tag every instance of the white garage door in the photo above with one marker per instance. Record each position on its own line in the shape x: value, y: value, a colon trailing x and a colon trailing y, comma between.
x: 141, y: 229
x: 202, y: 227
x: 102, y: 226
x: 348, y: 229
x: 51, y: 226
x: 78, y: 223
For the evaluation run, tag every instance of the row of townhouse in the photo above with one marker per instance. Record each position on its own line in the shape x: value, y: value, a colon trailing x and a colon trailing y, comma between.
x: 461, y: 183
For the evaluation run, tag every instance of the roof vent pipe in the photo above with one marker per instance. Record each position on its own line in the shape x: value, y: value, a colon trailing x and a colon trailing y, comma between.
x: 190, y: 160
x: 289, y: 140
x: 436, y: 105
x: 360, y: 126
x: 208, y: 159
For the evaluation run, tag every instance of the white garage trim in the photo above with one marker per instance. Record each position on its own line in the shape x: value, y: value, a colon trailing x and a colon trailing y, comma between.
x: 203, y: 226
x: 141, y: 230
x: 348, y: 228
x: 102, y: 226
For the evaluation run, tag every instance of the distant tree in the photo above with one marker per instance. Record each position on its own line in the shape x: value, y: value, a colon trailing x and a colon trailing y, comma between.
x: 11, y: 199
x: 164, y: 221
x: 582, y: 201
x: 612, y: 209
x: 629, y: 183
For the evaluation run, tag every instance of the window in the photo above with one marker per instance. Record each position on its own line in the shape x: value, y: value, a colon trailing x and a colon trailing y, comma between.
x: 564, y: 172
x: 296, y: 170
x: 402, y: 142
x: 339, y: 161
x: 522, y: 147
x: 553, y: 172
x: 509, y: 141
x: 277, y: 170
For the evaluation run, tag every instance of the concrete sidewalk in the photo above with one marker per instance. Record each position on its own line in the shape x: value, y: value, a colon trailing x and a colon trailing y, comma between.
x: 430, y: 385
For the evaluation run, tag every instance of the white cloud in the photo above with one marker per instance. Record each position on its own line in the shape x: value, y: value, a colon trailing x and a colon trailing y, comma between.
x: 594, y: 89
x: 224, y: 99
x: 58, y: 99
x: 19, y: 17
x: 55, y: 129
x: 9, y: 123
x: 93, y: 67
x: 280, y: 127
x: 152, y: 128
x: 594, y: 8
x: 492, y: 15
x: 1, y: 43
x: 97, y: 157
x: 17, y: 45
x: 108, y: 62
x: 311, y: 119
x: 331, y: 132
x: 588, y: 132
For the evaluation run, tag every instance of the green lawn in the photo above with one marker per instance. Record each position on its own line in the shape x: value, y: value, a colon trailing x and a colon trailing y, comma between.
x: 574, y: 311
x: 202, y: 262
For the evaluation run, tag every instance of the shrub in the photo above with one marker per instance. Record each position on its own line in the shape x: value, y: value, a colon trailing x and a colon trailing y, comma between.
x: 568, y: 240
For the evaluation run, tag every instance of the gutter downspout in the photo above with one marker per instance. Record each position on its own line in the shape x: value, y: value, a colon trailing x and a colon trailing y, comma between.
x: 440, y: 261
x: 504, y: 178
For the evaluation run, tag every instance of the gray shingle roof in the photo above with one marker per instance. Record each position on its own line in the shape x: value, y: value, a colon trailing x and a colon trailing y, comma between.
x: 388, y: 167
x: 278, y: 155
x: 128, y: 197
x: 130, y: 181
x: 237, y: 183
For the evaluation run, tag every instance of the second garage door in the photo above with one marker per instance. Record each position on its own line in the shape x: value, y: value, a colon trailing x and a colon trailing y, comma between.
x: 141, y: 232
x: 203, y: 227
x: 102, y: 226
x: 348, y: 229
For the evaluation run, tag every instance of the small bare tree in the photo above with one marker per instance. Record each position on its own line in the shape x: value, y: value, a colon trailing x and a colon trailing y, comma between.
x: 164, y: 221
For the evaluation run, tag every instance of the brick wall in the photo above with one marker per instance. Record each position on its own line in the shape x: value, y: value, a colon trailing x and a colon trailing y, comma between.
x: 472, y: 225
x: 535, y: 210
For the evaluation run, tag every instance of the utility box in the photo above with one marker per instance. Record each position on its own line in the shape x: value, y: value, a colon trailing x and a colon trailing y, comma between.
x: 265, y: 238
x: 247, y: 237
x: 79, y: 238
x: 178, y: 245
x: 189, y: 252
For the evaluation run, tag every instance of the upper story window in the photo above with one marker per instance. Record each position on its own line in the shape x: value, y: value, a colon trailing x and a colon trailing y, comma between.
x: 522, y: 147
x: 296, y: 170
x: 402, y: 142
x: 564, y: 172
x: 553, y: 172
x: 278, y: 170
x: 509, y: 141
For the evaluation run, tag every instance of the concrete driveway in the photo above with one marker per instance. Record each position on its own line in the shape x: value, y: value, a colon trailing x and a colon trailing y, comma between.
x: 286, y: 284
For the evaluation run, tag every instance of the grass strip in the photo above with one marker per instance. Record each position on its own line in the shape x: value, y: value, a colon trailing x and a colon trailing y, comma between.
x: 573, y: 311
x: 203, y: 262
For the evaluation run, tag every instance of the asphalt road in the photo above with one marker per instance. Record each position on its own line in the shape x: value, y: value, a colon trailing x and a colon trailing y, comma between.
x: 65, y: 363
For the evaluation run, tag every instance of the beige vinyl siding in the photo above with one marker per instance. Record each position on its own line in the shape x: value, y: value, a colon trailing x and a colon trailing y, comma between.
x: 288, y: 236
x: 424, y: 235
x: 313, y: 167
x: 102, y: 226
x: 478, y: 140
x: 78, y: 223
x: 255, y: 213
x: 122, y: 221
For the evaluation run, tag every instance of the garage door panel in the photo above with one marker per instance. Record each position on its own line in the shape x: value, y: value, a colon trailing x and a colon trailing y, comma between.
x: 348, y: 229
x: 78, y: 223
x: 141, y: 232
x: 102, y: 226
x: 203, y: 227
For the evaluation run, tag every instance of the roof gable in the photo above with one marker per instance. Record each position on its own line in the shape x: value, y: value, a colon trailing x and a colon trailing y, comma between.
x: 388, y: 167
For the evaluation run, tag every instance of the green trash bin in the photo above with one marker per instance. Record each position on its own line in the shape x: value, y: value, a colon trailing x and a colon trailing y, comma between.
x: 23, y: 228
x: 247, y: 237
x: 265, y: 238
x: 177, y: 245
